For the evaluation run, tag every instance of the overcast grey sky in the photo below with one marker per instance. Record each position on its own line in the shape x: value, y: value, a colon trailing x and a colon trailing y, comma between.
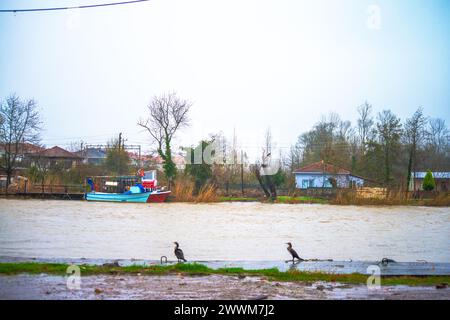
x: 244, y: 64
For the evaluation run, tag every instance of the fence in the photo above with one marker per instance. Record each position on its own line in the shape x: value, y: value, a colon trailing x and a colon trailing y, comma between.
x: 250, y: 189
x: 367, y: 192
x: 54, y: 188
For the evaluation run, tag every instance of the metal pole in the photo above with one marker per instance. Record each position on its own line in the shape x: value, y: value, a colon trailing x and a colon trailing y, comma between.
x: 242, y: 173
x: 140, y: 163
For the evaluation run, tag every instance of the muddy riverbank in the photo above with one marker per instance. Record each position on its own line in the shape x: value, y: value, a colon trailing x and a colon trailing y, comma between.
x: 198, y: 287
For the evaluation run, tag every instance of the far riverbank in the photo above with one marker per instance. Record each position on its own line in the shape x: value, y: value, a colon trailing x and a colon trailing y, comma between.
x: 440, y: 201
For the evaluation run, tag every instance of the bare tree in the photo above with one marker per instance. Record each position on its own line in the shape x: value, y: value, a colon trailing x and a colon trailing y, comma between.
x: 438, y: 134
x: 167, y: 113
x: 266, y: 180
x: 230, y: 162
x: 19, y: 125
x: 414, y: 135
x: 365, y: 124
x: 435, y: 153
x: 267, y: 148
x: 75, y: 146
x: 292, y: 162
x: 255, y: 168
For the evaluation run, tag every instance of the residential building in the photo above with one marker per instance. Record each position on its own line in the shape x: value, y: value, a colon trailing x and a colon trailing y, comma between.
x: 53, y: 157
x: 441, y: 179
x: 92, y: 156
x: 325, y: 175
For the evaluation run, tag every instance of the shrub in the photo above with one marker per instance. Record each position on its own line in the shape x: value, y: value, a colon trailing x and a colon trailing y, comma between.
x: 428, y: 182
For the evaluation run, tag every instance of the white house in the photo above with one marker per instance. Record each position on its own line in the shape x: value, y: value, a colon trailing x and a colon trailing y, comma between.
x: 325, y: 175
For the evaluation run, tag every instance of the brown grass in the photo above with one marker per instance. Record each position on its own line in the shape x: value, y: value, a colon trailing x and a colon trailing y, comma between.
x: 208, y: 194
x: 394, y: 197
x: 183, y: 191
x: 441, y: 200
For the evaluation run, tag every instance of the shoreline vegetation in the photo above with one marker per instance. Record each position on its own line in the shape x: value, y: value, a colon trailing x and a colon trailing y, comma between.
x: 340, y: 200
x: 196, y: 269
x: 184, y: 191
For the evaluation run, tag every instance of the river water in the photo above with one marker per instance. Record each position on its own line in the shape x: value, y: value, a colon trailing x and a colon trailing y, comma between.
x: 222, y: 231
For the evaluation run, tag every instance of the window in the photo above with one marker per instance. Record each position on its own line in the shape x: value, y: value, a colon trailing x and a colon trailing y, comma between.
x: 305, y: 184
x: 149, y: 175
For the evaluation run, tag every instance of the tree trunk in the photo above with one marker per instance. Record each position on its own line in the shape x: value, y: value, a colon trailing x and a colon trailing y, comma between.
x: 387, y: 167
x: 8, y: 180
x: 408, y: 177
x: 271, y: 187
x: 261, y: 183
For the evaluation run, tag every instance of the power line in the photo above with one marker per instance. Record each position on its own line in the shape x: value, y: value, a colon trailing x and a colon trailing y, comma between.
x: 70, y: 8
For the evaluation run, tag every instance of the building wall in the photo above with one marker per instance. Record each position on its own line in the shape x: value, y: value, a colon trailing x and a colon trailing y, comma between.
x: 318, y: 180
x: 65, y: 163
x: 441, y: 184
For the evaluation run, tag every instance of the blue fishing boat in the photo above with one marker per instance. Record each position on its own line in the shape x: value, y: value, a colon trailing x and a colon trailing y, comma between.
x: 126, y: 189
x: 117, y: 197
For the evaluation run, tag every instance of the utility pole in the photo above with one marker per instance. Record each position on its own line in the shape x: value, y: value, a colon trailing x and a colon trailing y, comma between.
x: 140, y: 163
x: 118, y: 158
x: 242, y: 173
x: 83, y: 153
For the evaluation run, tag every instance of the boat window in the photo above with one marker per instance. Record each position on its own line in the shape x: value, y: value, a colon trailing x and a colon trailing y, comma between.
x: 149, y: 175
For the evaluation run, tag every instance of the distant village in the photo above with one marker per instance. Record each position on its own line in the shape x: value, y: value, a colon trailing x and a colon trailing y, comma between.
x: 318, y: 175
x: 380, y: 157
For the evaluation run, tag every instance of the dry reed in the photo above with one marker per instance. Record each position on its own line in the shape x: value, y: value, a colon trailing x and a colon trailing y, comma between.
x: 183, y: 191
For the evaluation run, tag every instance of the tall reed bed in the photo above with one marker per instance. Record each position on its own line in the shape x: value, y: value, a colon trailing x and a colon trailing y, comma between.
x: 183, y: 191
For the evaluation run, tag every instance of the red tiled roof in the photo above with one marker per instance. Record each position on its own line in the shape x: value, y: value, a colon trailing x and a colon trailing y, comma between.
x: 135, y: 156
x: 57, y: 152
x: 25, y: 148
x: 156, y: 159
x: 322, y: 167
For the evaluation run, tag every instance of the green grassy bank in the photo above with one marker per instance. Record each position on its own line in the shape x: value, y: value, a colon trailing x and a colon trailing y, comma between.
x: 199, y: 269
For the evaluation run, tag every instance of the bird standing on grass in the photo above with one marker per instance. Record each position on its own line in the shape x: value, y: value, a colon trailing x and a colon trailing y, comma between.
x: 179, y: 253
x: 293, y: 253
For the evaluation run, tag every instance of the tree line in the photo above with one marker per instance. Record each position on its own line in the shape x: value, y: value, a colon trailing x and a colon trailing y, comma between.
x: 379, y: 147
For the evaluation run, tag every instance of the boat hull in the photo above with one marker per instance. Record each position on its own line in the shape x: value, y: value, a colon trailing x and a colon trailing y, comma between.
x: 132, y: 197
x: 117, y: 197
x: 158, y: 196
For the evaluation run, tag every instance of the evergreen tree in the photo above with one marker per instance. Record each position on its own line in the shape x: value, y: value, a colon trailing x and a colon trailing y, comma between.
x: 428, y: 182
x: 200, y: 172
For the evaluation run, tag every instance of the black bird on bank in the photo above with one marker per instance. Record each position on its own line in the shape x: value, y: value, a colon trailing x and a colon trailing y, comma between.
x: 179, y: 253
x: 293, y: 253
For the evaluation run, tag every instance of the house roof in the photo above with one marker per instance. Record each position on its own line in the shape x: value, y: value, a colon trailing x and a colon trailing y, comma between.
x: 25, y: 148
x: 57, y: 152
x: 436, y: 175
x: 92, y: 153
x: 322, y: 167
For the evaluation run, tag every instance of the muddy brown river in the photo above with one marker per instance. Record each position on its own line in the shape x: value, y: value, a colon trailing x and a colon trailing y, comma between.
x: 221, y: 231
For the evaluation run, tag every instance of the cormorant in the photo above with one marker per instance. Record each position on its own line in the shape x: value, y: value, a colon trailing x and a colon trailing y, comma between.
x: 179, y: 253
x: 293, y: 252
